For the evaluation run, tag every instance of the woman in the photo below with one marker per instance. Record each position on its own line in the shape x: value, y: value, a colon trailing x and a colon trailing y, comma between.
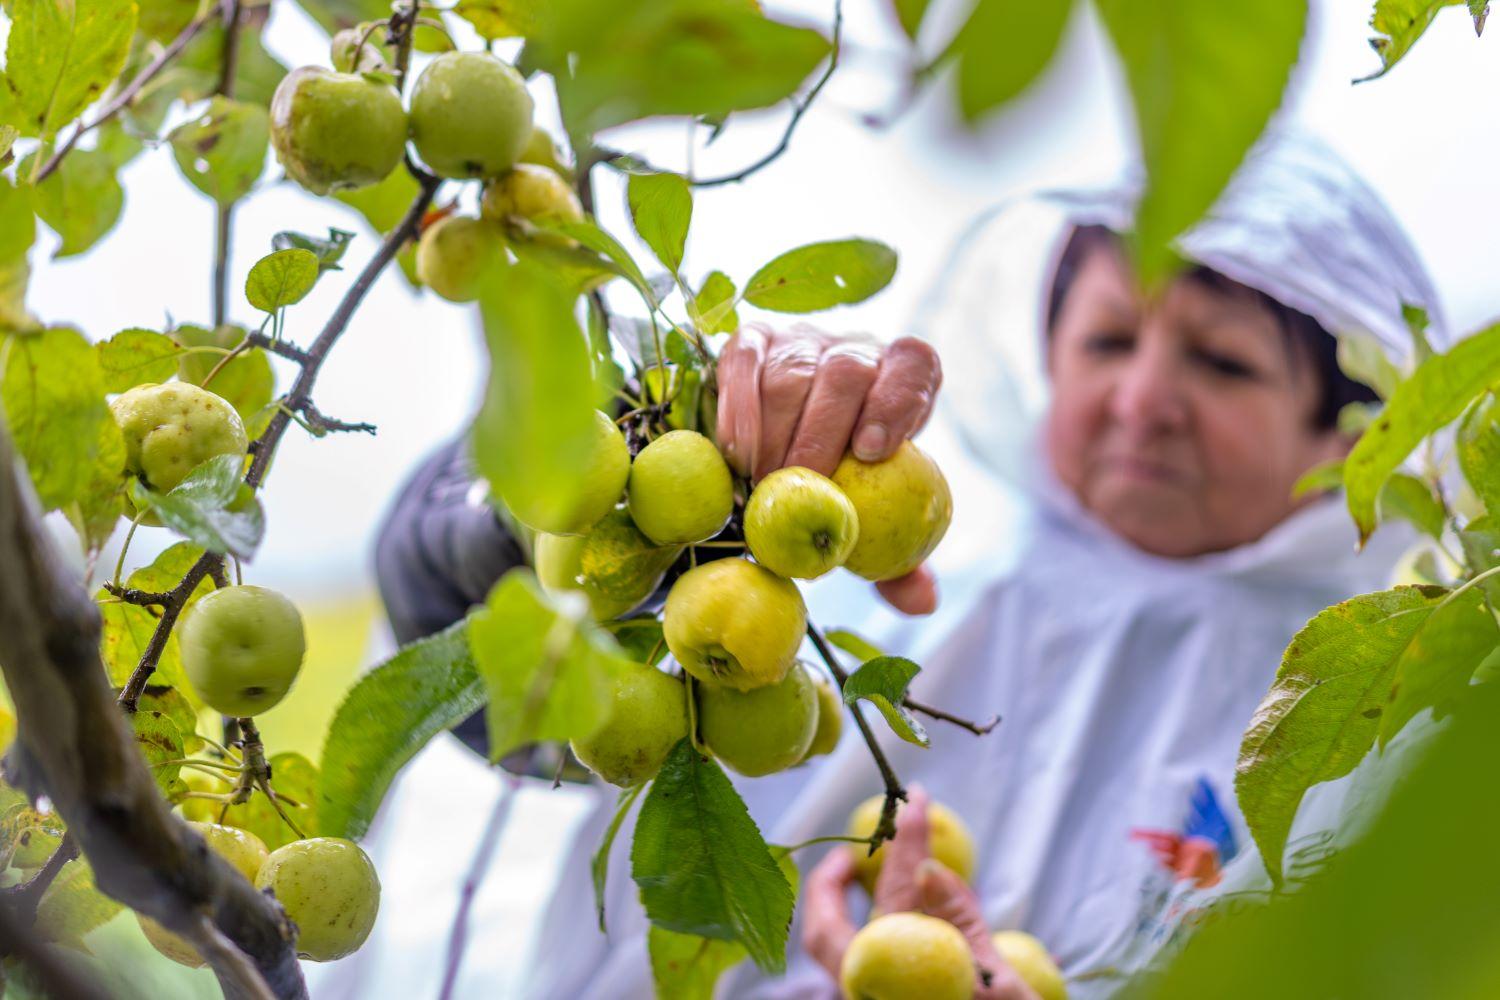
x: 1130, y: 634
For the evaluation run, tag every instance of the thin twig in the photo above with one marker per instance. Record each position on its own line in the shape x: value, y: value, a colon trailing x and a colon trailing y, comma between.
x: 145, y: 598
x: 458, y: 937
x: 122, y: 99
x: 977, y: 728
x: 222, y: 953
x: 171, y: 608
x: 282, y: 348
x: 229, y: 62
x: 322, y: 425
x: 26, y: 897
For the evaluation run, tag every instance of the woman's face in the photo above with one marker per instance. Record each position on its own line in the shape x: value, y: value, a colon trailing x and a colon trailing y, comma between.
x: 1181, y: 423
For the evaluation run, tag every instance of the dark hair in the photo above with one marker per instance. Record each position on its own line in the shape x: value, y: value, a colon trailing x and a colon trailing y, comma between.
x: 1303, y: 336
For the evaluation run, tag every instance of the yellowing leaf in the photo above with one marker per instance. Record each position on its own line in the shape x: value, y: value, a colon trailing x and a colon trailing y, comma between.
x: 61, y: 55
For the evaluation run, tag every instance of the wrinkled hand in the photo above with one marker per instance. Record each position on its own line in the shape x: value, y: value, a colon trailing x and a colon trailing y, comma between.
x: 909, y: 880
x: 803, y: 397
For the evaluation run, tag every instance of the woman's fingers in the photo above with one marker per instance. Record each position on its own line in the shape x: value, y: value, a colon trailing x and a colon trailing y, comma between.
x: 896, y: 888
x: 946, y: 896
x: 900, y: 401
x: 913, y: 594
x: 826, y: 927
x: 846, y: 372
x: 739, y: 379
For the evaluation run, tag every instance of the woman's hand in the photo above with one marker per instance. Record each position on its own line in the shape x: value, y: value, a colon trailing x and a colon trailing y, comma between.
x: 909, y: 880
x: 803, y: 397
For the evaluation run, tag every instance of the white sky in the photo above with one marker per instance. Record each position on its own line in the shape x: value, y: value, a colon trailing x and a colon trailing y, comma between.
x: 1424, y: 137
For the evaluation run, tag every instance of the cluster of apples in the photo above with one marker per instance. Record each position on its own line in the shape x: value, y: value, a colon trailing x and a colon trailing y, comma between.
x: 327, y: 885
x: 470, y: 117
x: 734, y: 624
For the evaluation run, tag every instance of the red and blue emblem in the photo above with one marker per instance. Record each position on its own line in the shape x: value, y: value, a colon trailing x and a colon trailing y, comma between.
x: 1205, y: 843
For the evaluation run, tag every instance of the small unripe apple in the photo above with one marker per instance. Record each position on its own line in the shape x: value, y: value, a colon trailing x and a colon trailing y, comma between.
x: 243, y: 850
x: 1032, y: 962
x: 242, y: 648
x: 454, y: 253
x: 348, y: 55
x: 333, y: 131
x: 908, y: 956
x: 681, y: 489
x: 613, y: 565
x: 536, y: 194
x: 172, y: 428
x: 734, y: 623
x: 948, y: 840
x: 799, y: 524
x: 830, y: 716
x: 609, y: 468
x: 329, y: 889
x: 542, y: 150
x: 470, y: 115
x: 761, y: 731
x: 646, y: 720
x: 904, y: 508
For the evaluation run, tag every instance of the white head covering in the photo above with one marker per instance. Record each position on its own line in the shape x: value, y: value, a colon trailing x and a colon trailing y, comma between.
x: 1296, y: 223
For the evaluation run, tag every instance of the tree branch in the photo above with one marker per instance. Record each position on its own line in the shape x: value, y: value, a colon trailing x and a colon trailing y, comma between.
x: 229, y: 62
x: 171, y: 608
x: 76, y: 747
x: 122, y: 100
x: 24, y: 899
x: 58, y: 978
x: 977, y: 728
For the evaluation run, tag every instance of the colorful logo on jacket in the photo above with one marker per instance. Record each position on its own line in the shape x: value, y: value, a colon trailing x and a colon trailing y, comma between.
x: 1205, y: 843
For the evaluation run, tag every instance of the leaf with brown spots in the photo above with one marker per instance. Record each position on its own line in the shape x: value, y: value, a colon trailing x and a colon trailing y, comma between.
x: 60, y: 57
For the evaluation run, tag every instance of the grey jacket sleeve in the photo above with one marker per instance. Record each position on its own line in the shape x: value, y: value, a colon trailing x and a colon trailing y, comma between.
x: 441, y: 547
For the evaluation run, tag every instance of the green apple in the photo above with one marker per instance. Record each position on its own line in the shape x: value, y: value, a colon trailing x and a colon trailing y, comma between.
x: 613, y: 565
x: 329, y: 889
x: 830, y: 716
x: 647, y: 718
x: 609, y: 469
x: 908, y: 956
x: 1032, y: 962
x: 172, y: 428
x: 243, y: 850
x: 904, y: 507
x: 681, y: 489
x: 761, y: 731
x: 948, y: 840
x: 242, y: 648
x: 334, y: 131
x: 470, y: 115
x: 734, y: 623
x: 799, y: 524
x: 536, y: 194
x: 454, y: 253
x: 542, y: 150
x: 370, y: 57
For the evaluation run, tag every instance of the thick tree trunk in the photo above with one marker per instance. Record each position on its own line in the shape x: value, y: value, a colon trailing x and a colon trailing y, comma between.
x: 75, y: 745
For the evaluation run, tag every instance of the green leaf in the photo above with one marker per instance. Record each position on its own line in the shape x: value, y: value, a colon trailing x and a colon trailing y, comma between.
x: 334, y: 15
x: 1478, y: 447
x: 256, y: 71
x: 1323, y: 711
x: 1435, y: 394
x: 295, y: 777
x: 282, y: 278
x: 1002, y: 48
x: 53, y: 395
x: 81, y: 200
x: 223, y: 151
x: 602, y: 243
x: 640, y: 639
x: 1320, y: 478
x: 701, y: 865
x: 133, y: 357
x: 174, y: 705
x: 128, y: 627
x: 1440, y: 659
x: 822, y: 275
x: 382, y: 206
x: 1410, y: 499
x: 328, y: 251
x: 548, y: 673
x: 392, y: 712
x: 1205, y: 79
x: 1417, y: 323
x: 494, y: 19
x: 599, y: 866
x: 686, y: 966
x: 661, y: 206
x: 534, y: 432
x: 858, y: 646
x: 883, y: 682
x: 73, y: 905
x: 8, y: 136
x: 162, y: 20
x: 98, y: 506
x: 618, y: 62
x: 1362, y: 358
x: 211, y: 507
x: 909, y: 14
x: 712, y: 310
x: 160, y: 741
x: 247, y: 381
x: 60, y: 56
x: 17, y: 223
x: 1398, y: 25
